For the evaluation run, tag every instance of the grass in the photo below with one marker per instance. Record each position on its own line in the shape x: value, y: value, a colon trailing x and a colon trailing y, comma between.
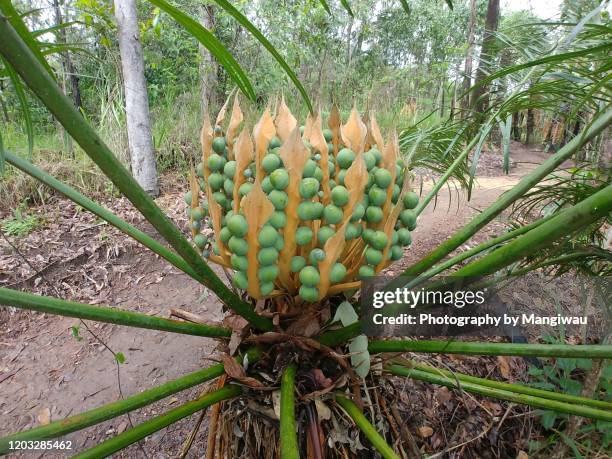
x: 176, y: 130
x: 20, y: 224
x: 175, y: 133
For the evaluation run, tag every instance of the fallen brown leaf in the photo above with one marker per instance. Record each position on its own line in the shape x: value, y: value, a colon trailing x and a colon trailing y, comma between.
x: 323, y: 411
x: 234, y: 342
x: 235, y: 371
x: 443, y: 395
x: 425, y: 431
x: 321, y: 380
x: 121, y: 428
x: 307, y: 325
x: 44, y: 416
x: 236, y: 323
x: 504, y: 366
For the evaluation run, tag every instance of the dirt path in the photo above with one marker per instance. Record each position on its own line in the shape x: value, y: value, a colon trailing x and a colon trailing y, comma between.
x: 452, y: 211
x: 46, y: 373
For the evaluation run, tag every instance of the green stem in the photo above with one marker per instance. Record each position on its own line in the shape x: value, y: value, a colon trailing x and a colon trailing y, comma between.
x: 516, y: 388
x: 366, y: 427
x: 587, y: 351
x: 537, y: 402
x: 112, y: 410
x: 474, y: 251
x: 17, y: 53
x: 139, y: 432
x: 101, y: 212
x: 32, y: 302
x: 580, y: 255
x: 339, y: 336
x: 288, y: 428
x: 511, y: 195
x: 442, y: 180
x: 564, y: 223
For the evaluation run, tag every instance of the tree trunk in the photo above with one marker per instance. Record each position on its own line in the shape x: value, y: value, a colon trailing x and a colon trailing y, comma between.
x: 208, y: 65
x: 480, y: 98
x: 4, y: 110
x: 3, y: 103
x: 516, y: 129
x: 67, y: 64
x: 318, y: 93
x: 441, y: 98
x: 467, y: 79
x: 359, y: 44
x: 456, y: 85
x: 577, y: 124
x: 68, y: 72
x: 349, y: 31
x: 140, y: 140
x: 529, y: 125
x: 453, y: 101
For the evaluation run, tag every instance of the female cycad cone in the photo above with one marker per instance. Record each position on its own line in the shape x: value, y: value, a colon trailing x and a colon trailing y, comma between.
x: 301, y: 210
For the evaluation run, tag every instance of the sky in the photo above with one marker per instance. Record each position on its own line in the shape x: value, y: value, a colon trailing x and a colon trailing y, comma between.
x: 544, y: 9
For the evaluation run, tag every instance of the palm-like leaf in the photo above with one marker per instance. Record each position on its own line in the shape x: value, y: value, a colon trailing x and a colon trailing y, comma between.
x: 435, y: 149
x: 25, y: 106
x: 571, y: 256
x: 8, y: 10
x: 325, y: 5
x: 230, y: 9
x: 212, y: 43
x: 561, y: 189
x: 16, y: 52
x: 347, y: 7
x: 584, y: 251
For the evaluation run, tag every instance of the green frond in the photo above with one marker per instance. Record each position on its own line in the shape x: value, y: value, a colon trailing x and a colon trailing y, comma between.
x: 105, y: 314
x: 145, y: 429
x: 592, y: 351
x: 366, y: 427
x: 531, y: 400
x: 288, y: 428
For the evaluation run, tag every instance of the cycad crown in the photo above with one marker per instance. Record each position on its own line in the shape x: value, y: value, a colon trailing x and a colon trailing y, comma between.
x: 301, y: 210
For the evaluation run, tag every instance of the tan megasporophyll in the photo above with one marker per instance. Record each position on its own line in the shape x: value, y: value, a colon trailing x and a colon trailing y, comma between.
x: 300, y: 210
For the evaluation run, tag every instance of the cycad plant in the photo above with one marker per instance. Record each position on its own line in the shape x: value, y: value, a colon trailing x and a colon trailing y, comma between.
x: 292, y: 219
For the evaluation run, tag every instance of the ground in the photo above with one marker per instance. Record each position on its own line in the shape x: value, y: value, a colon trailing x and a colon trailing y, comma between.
x: 48, y: 373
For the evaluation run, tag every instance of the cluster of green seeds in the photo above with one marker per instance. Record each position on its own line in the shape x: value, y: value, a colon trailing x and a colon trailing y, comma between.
x: 317, y: 222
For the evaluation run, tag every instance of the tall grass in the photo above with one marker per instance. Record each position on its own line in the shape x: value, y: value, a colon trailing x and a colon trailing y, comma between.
x: 50, y: 154
x: 176, y: 123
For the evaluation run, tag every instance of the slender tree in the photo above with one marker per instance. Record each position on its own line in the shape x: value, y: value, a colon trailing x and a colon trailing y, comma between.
x: 529, y: 126
x: 67, y: 64
x: 467, y: 78
x: 480, y: 98
x: 140, y: 139
x: 208, y: 65
x: 3, y: 103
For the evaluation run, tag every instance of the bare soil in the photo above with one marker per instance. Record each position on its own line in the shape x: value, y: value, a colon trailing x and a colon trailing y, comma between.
x: 47, y: 374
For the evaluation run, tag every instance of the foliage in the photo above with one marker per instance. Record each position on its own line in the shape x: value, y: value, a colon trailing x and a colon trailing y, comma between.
x: 567, y: 376
x: 21, y: 223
